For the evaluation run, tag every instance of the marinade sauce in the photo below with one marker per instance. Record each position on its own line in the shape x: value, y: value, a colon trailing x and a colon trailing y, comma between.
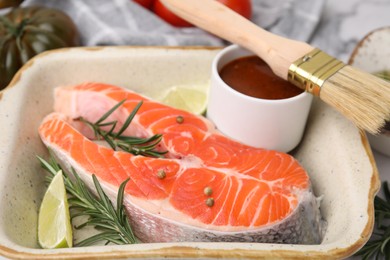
x: 253, y: 77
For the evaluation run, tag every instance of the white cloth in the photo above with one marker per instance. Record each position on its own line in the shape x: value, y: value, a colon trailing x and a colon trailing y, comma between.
x: 123, y: 22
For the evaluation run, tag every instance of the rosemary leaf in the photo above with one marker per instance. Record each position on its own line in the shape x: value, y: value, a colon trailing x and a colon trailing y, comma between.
x: 384, y: 244
x: 129, y: 119
x: 109, y: 112
x: 111, y: 142
x: 384, y: 75
x: 107, y: 204
x: 100, y: 212
x: 104, y: 236
x: 94, y: 223
x: 119, y: 200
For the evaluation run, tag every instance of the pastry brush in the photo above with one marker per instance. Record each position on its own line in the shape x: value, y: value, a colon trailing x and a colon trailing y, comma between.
x: 359, y: 96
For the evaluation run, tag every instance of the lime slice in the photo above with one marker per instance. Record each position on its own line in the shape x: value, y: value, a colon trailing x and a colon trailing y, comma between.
x: 54, y: 225
x: 192, y: 99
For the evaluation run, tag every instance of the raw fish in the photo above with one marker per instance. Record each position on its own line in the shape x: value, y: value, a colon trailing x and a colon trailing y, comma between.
x: 258, y: 195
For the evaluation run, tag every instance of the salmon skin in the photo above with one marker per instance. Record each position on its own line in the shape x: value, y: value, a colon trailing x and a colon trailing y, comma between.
x: 258, y: 195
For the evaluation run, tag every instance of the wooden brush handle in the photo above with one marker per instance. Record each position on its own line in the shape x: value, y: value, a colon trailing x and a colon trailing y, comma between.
x: 216, y: 18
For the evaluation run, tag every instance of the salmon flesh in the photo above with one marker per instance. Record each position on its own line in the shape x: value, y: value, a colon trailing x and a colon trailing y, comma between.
x: 257, y: 195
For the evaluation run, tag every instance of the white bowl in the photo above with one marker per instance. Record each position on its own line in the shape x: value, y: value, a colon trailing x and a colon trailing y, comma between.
x: 372, y: 54
x: 336, y: 155
x: 263, y: 123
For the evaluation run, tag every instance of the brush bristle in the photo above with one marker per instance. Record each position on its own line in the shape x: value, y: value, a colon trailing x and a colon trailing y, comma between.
x: 360, y: 96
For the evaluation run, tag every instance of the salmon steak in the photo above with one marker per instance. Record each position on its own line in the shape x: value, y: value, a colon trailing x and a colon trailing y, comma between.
x: 213, y: 188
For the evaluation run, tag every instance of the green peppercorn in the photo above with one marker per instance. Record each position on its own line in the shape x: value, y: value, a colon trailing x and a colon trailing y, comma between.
x: 208, y: 191
x: 210, y: 202
x: 161, y: 174
x: 179, y: 119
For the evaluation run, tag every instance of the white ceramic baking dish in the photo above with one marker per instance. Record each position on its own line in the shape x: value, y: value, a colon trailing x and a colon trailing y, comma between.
x: 334, y: 152
x: 372, y: 54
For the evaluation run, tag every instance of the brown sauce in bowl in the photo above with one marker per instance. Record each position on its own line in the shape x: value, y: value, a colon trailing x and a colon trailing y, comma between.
x: 253, y: 77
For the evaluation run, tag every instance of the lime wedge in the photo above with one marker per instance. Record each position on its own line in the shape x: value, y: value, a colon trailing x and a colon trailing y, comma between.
x: 192, y: 99
x: 54, y: 225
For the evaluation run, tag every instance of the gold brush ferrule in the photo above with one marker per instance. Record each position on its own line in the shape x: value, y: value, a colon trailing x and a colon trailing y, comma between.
x: 312, y: 70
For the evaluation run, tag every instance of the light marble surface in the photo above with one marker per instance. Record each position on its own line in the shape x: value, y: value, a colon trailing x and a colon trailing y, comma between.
x: 343, y: 24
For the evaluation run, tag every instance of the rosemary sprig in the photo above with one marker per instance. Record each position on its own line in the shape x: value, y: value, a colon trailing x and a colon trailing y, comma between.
x: 384, y: 75
x: 378, y: 246
x: 112, y: 223
x: 130, y: 144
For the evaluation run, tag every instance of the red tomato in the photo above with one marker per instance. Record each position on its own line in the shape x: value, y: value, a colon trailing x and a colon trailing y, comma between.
x: 168, y: 16
x: 243, y: 7
x: 145, y: 3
